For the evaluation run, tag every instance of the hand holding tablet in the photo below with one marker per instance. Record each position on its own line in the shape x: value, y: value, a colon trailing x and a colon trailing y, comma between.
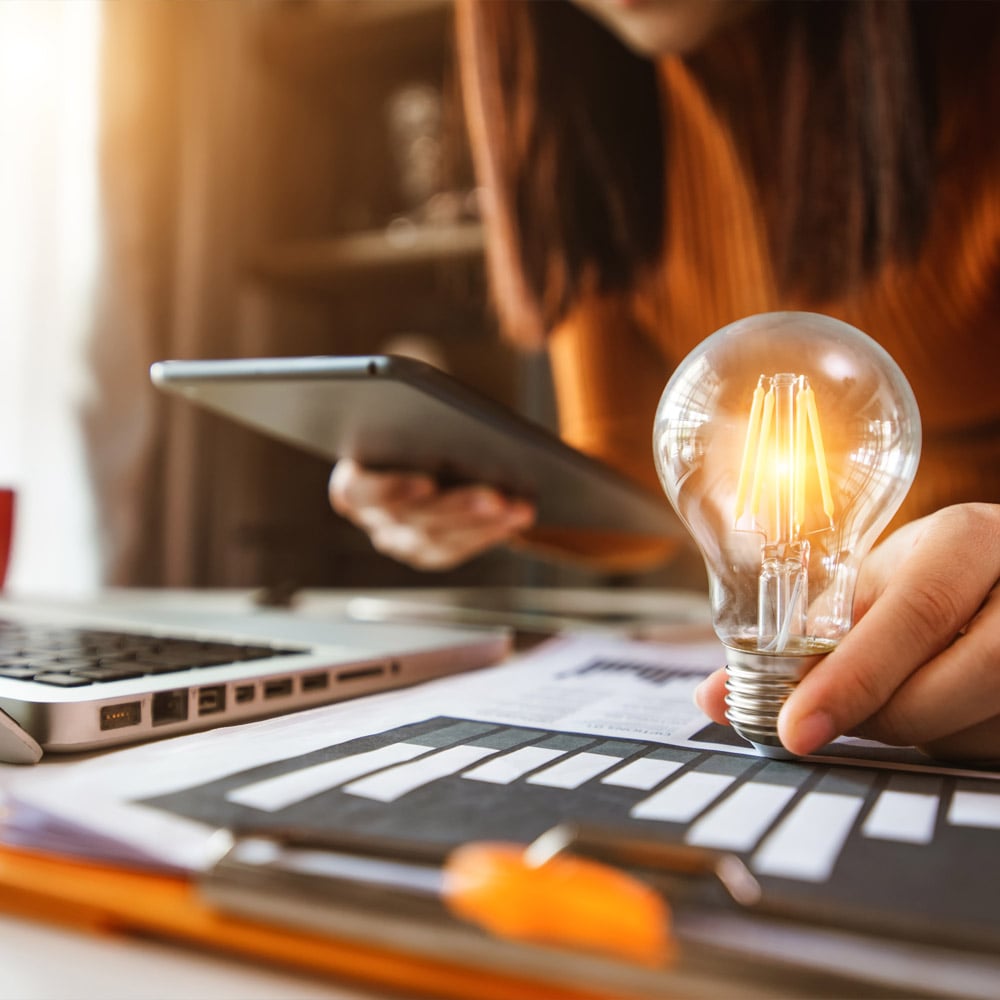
x: 401, y: 415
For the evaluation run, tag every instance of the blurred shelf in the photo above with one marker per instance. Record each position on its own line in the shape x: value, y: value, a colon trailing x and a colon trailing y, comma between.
x: 314, y: 39
x: 366, y: 15
x: 328, y: 262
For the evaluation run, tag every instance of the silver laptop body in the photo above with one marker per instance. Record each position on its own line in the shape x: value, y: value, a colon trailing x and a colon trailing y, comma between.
x: 87, y: 676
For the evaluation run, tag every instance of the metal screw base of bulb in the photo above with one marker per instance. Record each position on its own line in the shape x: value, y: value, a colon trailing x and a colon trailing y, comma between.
x: 757, y: 685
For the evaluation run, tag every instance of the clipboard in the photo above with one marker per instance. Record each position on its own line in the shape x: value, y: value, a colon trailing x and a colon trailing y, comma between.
x: 612, y: 935
x: 106, y: 899
x: 313, y: 926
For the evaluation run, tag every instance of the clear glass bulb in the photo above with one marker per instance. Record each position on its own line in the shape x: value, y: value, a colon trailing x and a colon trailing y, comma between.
x: 786, y: 442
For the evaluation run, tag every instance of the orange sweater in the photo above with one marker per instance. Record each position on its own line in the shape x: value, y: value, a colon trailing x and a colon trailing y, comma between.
x: 939, y: 317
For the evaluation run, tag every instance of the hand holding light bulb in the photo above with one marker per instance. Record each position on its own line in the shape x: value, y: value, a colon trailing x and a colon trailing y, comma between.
x: 922, y: 665
x: 786, y: 442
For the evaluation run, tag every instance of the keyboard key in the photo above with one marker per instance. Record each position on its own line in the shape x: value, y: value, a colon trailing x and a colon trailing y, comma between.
x: 70, y: 657
x: 23, y: 673
x: 110, y: 673
x: 62, y: 680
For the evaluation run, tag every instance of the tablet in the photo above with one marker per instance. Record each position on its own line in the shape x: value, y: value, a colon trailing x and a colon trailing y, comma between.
x: 390, y: 412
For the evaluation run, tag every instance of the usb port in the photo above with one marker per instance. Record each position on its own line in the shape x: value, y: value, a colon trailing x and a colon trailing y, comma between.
x: 278, y: 689
x: 170, y: 706
x: 243, y: 693
x: 119, y: 716
x: 315, y: 682
x: 212, y: 699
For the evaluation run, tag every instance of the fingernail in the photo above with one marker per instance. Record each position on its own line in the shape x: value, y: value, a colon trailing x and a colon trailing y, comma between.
x: 813, y: 732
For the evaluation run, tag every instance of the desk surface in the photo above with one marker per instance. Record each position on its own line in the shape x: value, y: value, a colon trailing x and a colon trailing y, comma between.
x: 42, y: 961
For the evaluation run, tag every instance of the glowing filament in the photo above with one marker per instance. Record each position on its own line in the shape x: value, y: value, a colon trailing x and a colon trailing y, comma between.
x: 783, y: 411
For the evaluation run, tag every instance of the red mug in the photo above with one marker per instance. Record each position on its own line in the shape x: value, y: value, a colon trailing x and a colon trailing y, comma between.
x: 7, y: 503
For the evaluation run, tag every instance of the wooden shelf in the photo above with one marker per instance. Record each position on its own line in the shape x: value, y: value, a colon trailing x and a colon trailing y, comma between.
x: 320, y: 262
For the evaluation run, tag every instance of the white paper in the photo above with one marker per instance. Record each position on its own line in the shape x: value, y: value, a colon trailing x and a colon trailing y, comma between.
x: 601, y: 686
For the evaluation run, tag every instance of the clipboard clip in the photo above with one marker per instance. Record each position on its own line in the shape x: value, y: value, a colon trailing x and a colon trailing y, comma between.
x: 575, y: 886
x: 648, y: 856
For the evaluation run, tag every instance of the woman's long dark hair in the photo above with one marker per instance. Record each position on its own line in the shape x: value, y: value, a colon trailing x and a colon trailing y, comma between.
x: 569, y: 139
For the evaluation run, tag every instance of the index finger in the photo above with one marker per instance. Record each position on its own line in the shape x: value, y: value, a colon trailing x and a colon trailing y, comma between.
x: 932, y: 594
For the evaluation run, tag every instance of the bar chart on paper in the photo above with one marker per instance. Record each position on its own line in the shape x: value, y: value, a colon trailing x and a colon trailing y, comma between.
x: 887, y: 840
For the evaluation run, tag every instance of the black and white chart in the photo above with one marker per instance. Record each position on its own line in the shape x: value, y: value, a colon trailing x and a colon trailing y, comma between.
x: 883, y: 840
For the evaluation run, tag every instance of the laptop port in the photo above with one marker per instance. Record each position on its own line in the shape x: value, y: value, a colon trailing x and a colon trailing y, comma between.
x: 278, y: 689
x: 360, y: 673
x: 243, y: 693
x: 212, y: 699
x: 119, y: 716
x: 315, y: 682
x: 170, y: 706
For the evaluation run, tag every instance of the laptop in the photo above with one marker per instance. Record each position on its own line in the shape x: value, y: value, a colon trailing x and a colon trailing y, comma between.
x: 91, y: 675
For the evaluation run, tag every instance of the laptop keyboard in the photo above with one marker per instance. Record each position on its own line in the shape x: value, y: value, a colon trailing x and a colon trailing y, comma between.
x: 75, y: 657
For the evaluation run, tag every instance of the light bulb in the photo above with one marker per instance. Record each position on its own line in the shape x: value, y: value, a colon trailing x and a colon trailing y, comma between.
x: 786, y: 442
